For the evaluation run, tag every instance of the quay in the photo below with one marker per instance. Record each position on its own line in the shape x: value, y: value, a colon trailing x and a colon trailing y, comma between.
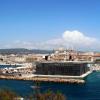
x: 39, y: 79
x: 64, y: 76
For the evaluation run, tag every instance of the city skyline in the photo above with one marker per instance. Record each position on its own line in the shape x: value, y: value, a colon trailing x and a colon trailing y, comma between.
x: 42, y: 24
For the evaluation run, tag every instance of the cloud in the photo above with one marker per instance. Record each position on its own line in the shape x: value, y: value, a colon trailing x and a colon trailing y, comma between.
x: 79, y: 40
x: 68, y: 39
x: 75, y: 39
x: 21, y: 44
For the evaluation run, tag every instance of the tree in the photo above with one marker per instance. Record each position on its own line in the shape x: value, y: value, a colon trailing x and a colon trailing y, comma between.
x: 6, y: 94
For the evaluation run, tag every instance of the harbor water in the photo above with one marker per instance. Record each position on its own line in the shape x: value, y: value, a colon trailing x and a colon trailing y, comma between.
x: 88, y: 91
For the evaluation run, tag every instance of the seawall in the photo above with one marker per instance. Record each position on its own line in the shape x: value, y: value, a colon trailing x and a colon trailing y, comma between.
x: 39, y: 79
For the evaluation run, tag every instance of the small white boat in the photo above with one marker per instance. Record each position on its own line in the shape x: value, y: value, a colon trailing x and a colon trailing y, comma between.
x: 35, y: 87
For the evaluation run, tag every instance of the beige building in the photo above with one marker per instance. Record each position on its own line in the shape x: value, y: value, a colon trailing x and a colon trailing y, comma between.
x: 72, y: 55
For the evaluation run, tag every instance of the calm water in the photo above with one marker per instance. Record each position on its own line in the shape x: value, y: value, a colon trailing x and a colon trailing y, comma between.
x: 88, y: 91
x: 9, y: 66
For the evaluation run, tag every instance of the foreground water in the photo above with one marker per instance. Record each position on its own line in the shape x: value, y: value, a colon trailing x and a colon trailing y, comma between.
x: 88, y: 91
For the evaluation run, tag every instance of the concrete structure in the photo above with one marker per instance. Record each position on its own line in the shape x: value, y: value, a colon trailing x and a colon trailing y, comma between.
x: 61, y: 68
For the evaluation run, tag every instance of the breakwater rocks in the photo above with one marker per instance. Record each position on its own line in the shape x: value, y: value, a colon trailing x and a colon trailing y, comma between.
x: 39, y: 79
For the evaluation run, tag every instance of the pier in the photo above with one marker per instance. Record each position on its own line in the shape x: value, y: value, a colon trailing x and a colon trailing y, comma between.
x: 39, y: 79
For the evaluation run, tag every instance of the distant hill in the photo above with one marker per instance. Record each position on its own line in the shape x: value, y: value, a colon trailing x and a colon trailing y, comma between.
x: 24, y: 51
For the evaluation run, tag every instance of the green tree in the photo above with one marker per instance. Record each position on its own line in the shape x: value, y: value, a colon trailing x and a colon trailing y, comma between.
x: 48, y: 95
x: 6, y: 94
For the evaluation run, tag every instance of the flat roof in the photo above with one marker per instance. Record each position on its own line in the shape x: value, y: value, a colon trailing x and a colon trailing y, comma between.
x: 74, y: 62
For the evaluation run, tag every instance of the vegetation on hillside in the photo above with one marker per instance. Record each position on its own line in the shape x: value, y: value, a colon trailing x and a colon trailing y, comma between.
x: 6, y: 94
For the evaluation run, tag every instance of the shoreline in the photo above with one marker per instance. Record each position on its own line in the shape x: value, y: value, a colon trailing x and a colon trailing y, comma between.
x: 37, y: 79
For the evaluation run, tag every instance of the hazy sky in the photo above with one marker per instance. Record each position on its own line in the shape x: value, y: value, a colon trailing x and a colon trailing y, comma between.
x: 50, y: 23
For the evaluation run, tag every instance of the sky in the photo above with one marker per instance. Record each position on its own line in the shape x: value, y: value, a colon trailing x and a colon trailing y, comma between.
x: 50, y: 24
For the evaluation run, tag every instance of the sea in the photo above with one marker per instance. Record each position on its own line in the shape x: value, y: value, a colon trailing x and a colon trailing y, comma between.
x: 88, y: 91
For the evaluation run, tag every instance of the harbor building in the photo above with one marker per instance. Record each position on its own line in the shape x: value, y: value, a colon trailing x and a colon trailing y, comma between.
x: 61, y: 68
